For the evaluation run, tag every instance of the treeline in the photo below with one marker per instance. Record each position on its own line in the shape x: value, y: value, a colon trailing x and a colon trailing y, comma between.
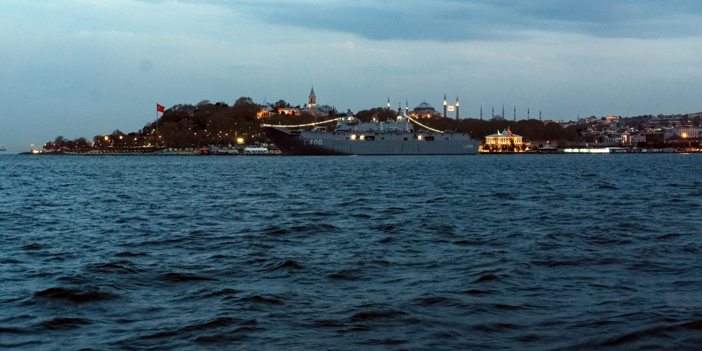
x: 531, y: 130
x: 203, y: 124
x: 184, y: 126
x: 60, y: 143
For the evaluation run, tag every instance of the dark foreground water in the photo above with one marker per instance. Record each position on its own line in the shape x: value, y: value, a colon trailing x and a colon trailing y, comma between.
x: 530, y: 252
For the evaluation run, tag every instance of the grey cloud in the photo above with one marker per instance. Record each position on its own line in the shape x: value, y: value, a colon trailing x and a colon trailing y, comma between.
x: 449, y: 21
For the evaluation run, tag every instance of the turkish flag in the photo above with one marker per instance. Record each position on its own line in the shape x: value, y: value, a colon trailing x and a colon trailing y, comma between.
x: 509, y: 132
x: 160, y: 108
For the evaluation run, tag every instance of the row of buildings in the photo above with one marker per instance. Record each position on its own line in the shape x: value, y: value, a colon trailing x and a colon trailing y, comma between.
x: 311, y: 108
x: 423, y: 110
x: 642, y: 131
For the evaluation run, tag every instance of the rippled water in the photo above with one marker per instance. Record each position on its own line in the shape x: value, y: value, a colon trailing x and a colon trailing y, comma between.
x: 527, y: 252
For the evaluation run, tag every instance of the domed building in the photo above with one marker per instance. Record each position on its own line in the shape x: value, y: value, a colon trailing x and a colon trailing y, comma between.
x: 424, y: 110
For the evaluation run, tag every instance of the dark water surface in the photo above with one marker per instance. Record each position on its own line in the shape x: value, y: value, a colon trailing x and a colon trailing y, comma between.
x: 531, y: 252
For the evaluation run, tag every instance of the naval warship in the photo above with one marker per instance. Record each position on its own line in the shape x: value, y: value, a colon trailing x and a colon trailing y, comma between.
x: 353, y: 137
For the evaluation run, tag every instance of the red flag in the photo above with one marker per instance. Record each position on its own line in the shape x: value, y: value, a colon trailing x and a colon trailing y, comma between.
x: 509, y: 132
x: 160, y: 108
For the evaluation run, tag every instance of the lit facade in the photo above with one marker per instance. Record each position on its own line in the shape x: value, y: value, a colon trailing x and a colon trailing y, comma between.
x: 424, y: 110
x: 503, y: 140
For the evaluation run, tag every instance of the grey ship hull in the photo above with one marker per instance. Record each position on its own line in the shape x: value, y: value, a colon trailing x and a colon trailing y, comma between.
x: 300, y: 142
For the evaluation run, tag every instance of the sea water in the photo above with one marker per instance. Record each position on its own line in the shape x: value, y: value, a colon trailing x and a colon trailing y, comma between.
x: 493, y: 252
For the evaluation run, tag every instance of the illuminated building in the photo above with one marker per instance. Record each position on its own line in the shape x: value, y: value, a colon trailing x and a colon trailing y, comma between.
x: 289, y: 111
x: 264, y: 113
x: 503, y: 141
x: 610, y: 119
x: 688, y: 132
x: 424, y: 110
x: 312, y: 107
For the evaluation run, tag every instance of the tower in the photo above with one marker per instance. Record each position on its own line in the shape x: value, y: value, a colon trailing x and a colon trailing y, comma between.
x: 539, y: 115
x: 313, y: 98
x: 527, y: 114
x: 503, y: 111
x: 388, y: 103
x: 493, y: 112
x: 406, y: 107
x: 457, y: 108
x: 481, y: 112
x: 445, y: 106
x: 515, y: 113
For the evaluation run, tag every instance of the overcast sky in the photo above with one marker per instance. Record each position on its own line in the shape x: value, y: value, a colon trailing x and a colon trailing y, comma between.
x: 87, y: 67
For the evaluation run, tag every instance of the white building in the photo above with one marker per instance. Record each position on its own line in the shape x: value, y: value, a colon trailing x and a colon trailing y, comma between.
x: 688, y: 132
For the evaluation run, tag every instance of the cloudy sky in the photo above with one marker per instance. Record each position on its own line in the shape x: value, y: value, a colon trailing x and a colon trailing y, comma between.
x: 87, y: 67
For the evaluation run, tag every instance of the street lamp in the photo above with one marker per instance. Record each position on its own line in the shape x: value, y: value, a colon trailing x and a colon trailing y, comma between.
x: 684, y: 135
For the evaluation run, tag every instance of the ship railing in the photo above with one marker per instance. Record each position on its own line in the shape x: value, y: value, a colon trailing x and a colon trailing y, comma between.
x: 417, y: 122
x: 303, y: 125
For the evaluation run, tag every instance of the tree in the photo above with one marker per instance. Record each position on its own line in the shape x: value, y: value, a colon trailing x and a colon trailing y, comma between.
x: 59, y: 143
x: 81, y: 143
x: 280, y: 104
x: 381, y: 113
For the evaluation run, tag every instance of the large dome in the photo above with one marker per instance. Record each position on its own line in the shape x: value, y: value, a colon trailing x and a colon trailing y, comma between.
x: 424, y: 108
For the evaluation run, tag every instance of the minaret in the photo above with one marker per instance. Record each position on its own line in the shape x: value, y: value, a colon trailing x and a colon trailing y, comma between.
x: 493, y: 113
x: 445, y: 106
x: 481, y: 112
x: 457, y: 108
x: 406, y: 107
x: 503, y: 111
x: 515, y: 113
x: 313, y: 98
x: 527, y: 114
x: 539, y: 115
x: 388, y: 103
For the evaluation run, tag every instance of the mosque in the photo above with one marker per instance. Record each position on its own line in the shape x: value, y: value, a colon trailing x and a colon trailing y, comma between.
x: 424, y: 110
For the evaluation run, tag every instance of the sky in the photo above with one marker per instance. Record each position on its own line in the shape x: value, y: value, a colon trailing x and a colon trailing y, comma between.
x: 80, y: 68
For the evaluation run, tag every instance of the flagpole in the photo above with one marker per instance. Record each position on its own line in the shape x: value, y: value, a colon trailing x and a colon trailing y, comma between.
x: 157, y: 125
